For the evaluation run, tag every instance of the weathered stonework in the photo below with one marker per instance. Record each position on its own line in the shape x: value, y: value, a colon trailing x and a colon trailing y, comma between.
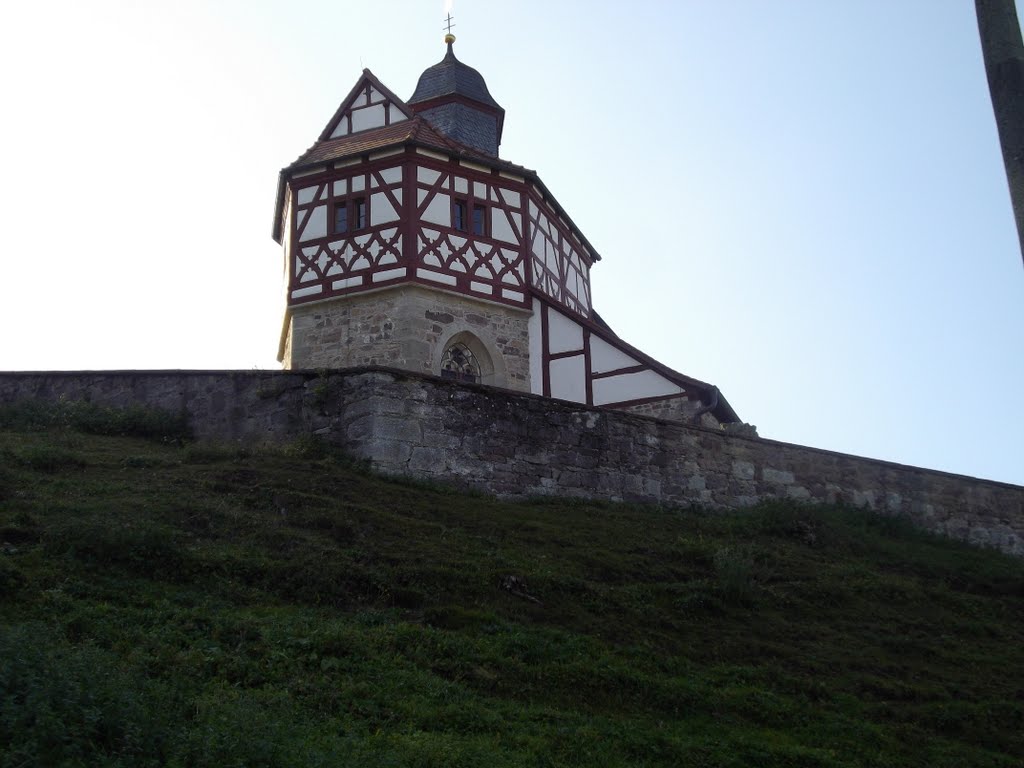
x: 517, y: 445
x: 674, y: 409
x: 407, y: 328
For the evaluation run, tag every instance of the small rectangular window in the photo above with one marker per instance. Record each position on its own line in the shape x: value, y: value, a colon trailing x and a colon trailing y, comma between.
x: 459, y: 215
x: 359, y: 217
x: 479, y: 220
x: 350, y: 215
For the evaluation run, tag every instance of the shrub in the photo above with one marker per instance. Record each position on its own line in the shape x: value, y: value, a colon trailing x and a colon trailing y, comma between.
x: 145, y: 548
x: 734, y: 569
x: 62, y: 705
x: 46, y: 458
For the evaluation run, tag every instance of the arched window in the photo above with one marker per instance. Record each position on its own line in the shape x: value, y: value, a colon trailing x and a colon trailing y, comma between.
x: 460, y: 364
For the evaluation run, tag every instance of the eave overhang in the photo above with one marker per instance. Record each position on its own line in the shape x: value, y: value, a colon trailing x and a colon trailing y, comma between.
x: 415, y: 133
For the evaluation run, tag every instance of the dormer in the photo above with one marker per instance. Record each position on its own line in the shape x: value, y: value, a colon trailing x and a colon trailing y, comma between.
x: 454, y: 98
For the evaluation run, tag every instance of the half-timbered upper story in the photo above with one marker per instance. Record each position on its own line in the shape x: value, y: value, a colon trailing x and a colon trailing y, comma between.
x: 395, y: 192
x: 384, y: 196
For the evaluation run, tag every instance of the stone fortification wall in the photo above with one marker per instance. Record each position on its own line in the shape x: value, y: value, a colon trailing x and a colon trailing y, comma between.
x: 514, y: 444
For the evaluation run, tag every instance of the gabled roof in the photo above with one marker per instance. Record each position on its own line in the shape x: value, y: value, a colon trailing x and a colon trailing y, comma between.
x: 346, y: 105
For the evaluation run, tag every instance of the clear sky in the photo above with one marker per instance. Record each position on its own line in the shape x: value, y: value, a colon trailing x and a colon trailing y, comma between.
x: 801, y: 202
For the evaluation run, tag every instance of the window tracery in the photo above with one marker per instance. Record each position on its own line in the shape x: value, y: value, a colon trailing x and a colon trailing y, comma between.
x: 460, y: 364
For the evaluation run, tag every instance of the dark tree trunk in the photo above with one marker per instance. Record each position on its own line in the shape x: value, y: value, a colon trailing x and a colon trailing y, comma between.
x: 1004, y: 63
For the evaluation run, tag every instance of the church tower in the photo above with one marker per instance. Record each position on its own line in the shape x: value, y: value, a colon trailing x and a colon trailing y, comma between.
x: 409, y: 243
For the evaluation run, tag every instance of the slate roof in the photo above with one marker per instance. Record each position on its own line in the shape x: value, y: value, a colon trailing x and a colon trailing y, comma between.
x: 451, y: 77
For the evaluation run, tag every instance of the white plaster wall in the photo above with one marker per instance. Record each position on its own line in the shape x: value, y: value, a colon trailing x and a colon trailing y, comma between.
x: 605, y: 357
x: 512, y: 198
x: 632, y: 386
x: 568, y: 381
x: 426, y: 175
x: 316, y: 224
x: 368, y: 117
x: 500, y: 228
x: 391, y: 175
x: 381, y: 209
x: 439, y: 211
x: 563, y: 334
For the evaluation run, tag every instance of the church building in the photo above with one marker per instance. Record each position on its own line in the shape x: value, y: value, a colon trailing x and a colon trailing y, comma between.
x: 409, y: 243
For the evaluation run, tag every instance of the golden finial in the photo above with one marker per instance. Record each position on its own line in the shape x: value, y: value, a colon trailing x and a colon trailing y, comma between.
x: 449, y: 38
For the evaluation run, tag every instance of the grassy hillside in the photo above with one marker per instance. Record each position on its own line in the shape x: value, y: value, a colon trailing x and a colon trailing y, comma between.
x: 167, y: 603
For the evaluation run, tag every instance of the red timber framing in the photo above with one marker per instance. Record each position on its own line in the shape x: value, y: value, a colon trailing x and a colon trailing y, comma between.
x: 524, y: 244
x: 490, y: 266
x: 325, y: 263
x: 527, y: 245
x: 560, y: 262
x: 689, y: 389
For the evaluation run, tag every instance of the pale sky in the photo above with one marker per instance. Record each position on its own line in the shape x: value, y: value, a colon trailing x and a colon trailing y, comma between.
x: 801, y: 202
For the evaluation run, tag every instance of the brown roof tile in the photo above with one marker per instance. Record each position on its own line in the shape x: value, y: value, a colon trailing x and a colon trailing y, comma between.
x: 415, y: 131
x: 356, y: 144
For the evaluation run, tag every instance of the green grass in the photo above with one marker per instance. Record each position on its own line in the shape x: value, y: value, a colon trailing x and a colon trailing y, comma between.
x: 168, y: 603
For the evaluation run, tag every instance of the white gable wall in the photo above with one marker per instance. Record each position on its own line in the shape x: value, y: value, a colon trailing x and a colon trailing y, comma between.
x: 572, y: 353
x: 564, y: 335
x: 632, y: 386
x: 568, y: 380
x: 365, y: 112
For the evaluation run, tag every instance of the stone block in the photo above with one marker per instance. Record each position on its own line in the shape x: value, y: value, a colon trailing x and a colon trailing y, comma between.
x: 394, y: 428
x: 863, y: 499
x: 744, y: 470
x: 428, y: 460
x: 780, y: 476
x: 387, y: 454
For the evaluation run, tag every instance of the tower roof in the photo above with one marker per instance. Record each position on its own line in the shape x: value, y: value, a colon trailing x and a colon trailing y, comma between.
x: 450, y: 77
x: 455, y: 99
